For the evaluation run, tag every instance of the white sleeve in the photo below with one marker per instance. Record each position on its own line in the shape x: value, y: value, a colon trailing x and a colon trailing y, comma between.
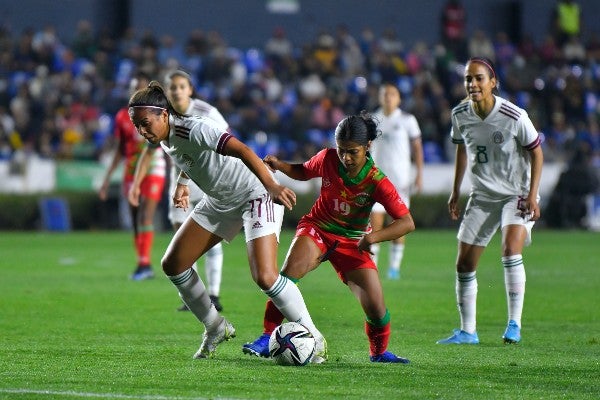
x: 414, y: 132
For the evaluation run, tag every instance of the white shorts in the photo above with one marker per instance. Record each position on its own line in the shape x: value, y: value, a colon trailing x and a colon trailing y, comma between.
x: 178, y: 215
x: 483, y: 217
x: 404, y: 194
x: 258, y: 216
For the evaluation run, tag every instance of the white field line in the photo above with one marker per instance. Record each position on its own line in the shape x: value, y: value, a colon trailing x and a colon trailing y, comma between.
x: 70, y: 393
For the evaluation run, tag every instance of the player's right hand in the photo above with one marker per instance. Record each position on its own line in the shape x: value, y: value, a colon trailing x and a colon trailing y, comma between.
x: 283, y: 195
x: 453, y: 208
x: 134, y: 196
x: 181, y: 197
x: 271, y: 162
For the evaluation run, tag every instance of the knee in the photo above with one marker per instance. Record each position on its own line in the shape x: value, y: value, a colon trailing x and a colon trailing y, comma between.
x: 464, y: 266
x: 169, y: 264
x: 265, y: 279
x: 508, y: 250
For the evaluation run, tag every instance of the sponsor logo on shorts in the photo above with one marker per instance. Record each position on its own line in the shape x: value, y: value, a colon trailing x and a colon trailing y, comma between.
x: 256, y: 225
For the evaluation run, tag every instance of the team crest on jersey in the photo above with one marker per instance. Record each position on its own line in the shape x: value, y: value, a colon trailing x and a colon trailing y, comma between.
x: 362, y: 198
x: 497, y: 137
x: 187, y: 160
x: 326, y: 182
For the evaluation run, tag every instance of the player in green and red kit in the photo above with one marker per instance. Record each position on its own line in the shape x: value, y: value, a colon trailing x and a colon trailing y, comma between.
x: 337, y: 229
x: 130, y: 146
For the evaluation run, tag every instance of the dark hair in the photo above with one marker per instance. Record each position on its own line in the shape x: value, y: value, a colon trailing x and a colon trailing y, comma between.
x: 357, y: 128
x: 153, y: 96
x: 391, y: 85
x: 181, y: 73
x: 489, y: 64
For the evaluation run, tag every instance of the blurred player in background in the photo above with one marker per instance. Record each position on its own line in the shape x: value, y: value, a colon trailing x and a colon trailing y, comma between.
x: 130, y: 145
x: 181, y: 93
x: 337, y: 228
x: 240, y: 192
x: 400, y: 142
x: 497, y: 141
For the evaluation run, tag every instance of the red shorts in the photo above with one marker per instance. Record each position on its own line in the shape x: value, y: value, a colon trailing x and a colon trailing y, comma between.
x: 151, y: 188
x: 346, y: 256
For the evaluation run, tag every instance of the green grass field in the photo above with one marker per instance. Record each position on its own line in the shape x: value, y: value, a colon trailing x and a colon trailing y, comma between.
x: 73, y: 326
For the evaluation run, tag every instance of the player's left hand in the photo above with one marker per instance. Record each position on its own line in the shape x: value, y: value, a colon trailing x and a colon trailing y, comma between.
x: 530, y: 208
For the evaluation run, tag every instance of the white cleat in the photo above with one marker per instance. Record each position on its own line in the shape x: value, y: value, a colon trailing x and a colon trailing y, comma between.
x: 320, y: 355
x: 210, y: 340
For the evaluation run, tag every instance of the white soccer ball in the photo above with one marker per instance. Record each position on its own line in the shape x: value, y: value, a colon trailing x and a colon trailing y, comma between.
x: 291, y: 344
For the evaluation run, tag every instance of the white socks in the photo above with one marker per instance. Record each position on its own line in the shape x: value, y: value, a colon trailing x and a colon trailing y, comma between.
x: 466, y: 299
x: 213, y: 267
x: 193, y: 293
x: 288, y: 299
x: 396, y: 254
x: 514, y: 281
x: 375, y: 252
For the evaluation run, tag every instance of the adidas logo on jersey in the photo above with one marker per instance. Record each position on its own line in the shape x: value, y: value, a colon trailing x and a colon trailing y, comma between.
x: 257, y: 225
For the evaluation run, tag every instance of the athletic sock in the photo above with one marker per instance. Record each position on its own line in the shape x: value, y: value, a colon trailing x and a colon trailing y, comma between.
x: 514, y: 281
x: 378, y: 332
x: 213, y: 266
x: 146, y: 237
x: 396, y: 254
x: 273, y: 317
x: 137, y: 242
x: 288, y: 299
x: 193, y: 293
x: 466, y: 299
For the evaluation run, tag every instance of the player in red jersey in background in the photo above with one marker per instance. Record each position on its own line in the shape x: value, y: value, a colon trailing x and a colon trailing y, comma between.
x: 337, y: 229
x: 130, y: 146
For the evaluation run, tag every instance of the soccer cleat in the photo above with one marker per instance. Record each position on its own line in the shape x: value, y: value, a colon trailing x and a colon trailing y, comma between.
x: 210, y: 340
x: 512, y: 334
x: 216, y: 302
x: 259, y: 348
x: 320, y: 355
x: 142, y: 273
x: 389, y: 357
x: 393, y: 274
x: 460, y: 337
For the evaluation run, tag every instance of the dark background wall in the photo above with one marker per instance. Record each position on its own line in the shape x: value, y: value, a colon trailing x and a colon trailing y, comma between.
x: 247, y: 23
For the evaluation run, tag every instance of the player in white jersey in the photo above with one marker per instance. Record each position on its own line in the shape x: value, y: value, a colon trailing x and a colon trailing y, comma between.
x: 399, y: 143
x: 497, y: 141
x: 240, y: 192
x: 181, y: 94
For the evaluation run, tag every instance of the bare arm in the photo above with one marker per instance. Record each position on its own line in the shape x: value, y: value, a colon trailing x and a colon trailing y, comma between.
x: 117, y: 157
x: 279, y: 193
x: 417, y: 152
x: 531, y: 205
x: 181, y: 196
x: 460, y: 166
x: 141, y: 169
x: 294, y: 171
x: 398, y: 228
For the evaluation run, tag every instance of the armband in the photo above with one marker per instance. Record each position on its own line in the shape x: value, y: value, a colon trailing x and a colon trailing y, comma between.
x: 183, y: 181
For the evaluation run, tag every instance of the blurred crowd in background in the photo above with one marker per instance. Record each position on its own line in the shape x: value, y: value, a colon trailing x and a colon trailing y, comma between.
x: 58, y: 99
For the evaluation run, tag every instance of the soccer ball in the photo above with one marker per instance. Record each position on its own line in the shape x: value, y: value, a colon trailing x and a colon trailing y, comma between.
x: 291, y: 344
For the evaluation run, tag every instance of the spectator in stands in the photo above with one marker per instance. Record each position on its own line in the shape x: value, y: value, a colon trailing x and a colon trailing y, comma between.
x: 453, y: 24
x: 566, y: 21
